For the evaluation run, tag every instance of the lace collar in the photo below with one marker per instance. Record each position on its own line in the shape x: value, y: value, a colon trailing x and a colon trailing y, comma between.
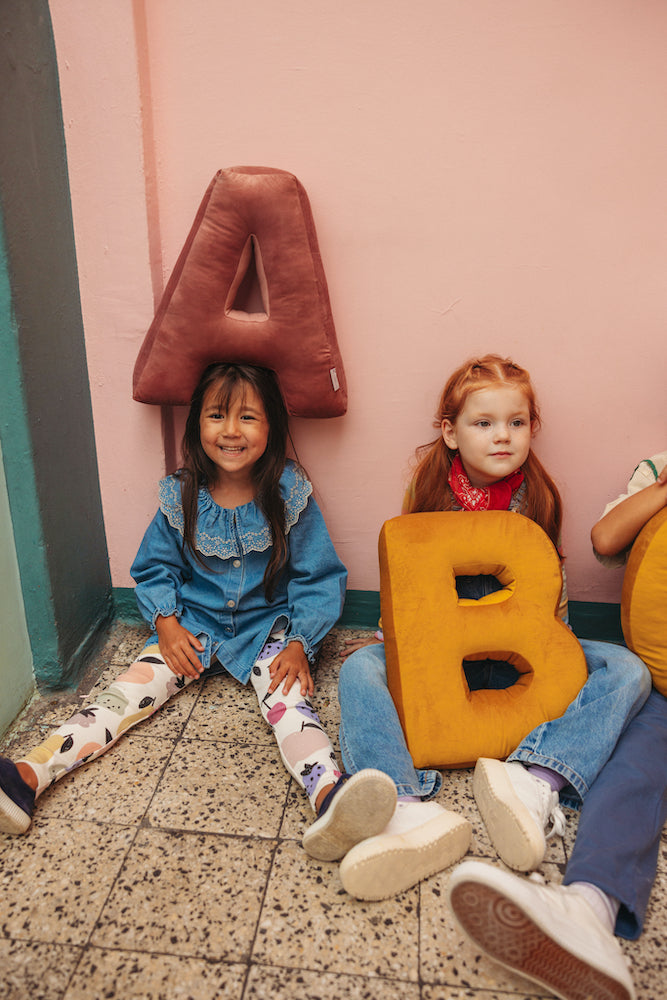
x: 228, y: 533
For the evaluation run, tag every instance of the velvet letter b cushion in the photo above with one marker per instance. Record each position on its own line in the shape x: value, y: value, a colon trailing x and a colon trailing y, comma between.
x: 249, y: 285
x: 429, y: 631
x: 644, y: 599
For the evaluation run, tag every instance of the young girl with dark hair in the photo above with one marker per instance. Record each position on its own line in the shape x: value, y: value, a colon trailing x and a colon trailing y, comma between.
x: 236, y: 570
x: 481, y: 460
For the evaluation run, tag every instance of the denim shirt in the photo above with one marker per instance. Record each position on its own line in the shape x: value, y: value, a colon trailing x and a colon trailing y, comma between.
x: 222, y: 602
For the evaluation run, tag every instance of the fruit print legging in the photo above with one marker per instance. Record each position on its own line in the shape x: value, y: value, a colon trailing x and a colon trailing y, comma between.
x: 304, y: 746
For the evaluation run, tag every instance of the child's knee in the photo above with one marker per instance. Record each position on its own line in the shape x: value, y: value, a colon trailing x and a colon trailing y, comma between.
x: 644, y: 680
x: 633, y: 674
x: 363, y: 668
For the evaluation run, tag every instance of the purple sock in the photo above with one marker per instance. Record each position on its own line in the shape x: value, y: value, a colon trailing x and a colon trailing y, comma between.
x: 553, y: 779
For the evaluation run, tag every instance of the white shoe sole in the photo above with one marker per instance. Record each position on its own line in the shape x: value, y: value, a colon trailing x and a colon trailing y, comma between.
x: 391, y: 863
x: 510, y: 825
x: 508, y: 935
x: 362, y: 808
x: 12, y: 818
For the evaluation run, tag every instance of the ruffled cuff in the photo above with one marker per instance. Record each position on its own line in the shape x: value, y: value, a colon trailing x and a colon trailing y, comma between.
x: 307, y: 648
x: 161, y: 613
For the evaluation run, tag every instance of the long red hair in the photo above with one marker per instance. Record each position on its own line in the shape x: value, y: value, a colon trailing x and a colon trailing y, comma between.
x: 430, y: 488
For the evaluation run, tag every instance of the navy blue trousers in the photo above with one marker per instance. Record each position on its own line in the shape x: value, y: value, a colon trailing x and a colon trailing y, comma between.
x: 622, y: 818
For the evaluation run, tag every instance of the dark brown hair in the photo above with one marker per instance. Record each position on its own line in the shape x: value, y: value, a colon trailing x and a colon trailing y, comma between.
x: 198, y: 470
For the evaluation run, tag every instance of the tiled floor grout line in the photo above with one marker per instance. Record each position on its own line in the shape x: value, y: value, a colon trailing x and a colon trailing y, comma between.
x: 442, y: 966
x: 139, y: 826
x: 87, y: 945
x: 278, y: 841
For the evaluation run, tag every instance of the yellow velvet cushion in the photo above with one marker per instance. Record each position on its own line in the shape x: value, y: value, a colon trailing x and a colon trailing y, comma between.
x: 429, y: 631
x: 249, y: 285
x: 644, y: 599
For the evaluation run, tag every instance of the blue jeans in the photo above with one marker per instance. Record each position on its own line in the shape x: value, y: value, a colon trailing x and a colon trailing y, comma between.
x: 363, y: 694
x: 580, y: 742
x: 622, y: 818
x: 576, y: 745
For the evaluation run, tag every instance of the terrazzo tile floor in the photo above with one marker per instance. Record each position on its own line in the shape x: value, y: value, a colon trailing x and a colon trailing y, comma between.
x: 172, y: 867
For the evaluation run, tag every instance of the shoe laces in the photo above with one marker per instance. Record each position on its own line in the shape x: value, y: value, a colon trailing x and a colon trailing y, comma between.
x: 547, y: 808
x: 558, y: 823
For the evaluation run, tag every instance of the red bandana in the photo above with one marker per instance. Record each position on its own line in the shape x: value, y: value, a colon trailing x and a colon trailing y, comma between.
x: 497, y: 496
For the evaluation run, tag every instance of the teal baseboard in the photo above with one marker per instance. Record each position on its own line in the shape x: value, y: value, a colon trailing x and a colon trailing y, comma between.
x: 595, y: 620
x: 125, y: 606
x: 589, y: 619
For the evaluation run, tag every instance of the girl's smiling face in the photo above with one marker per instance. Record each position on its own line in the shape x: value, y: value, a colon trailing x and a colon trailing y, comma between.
x: 492, y: 433
x: 234, y: 437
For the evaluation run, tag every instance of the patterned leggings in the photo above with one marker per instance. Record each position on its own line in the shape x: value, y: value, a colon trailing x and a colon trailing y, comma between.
x: 304, y: 746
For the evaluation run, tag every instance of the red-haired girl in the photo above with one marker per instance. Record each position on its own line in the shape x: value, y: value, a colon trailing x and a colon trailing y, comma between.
x: 482, y: 460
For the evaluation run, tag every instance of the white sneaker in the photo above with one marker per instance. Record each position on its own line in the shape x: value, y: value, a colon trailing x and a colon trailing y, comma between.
x: 359, y: 807
x: 547, y: 933
x: 521, y: 812
x: 420, y: 839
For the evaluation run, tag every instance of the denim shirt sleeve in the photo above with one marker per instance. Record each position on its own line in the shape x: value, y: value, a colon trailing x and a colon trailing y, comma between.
x: 159, y: 570
x: 316, y: 581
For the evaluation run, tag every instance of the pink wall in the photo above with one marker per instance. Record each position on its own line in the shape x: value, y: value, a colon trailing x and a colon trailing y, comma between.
x: 483, y: 176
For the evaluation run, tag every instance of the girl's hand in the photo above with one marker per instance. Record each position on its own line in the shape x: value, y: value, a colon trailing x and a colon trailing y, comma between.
x: 177, y: 647
x: 291, y: 663
x: 352, y: 645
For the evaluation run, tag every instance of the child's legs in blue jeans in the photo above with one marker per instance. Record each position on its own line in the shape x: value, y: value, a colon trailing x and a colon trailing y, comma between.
x: 144, y: 687
x: 304, y: 746
x: 370, y: 730
x: 622, y: 818
x: 578, y: 744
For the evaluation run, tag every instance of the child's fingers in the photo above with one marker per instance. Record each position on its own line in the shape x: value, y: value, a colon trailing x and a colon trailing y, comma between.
x: 186, y: 668
x: 352, y: 645
x: 277, y: 671
x: 182, y: 659
x: 307, y: 685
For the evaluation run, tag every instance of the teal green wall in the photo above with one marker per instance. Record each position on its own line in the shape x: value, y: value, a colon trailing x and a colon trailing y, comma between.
x: 15, y: 654
x: 46, y: 425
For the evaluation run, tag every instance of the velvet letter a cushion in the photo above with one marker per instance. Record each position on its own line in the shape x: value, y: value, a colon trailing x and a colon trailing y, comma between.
x: 249, y: 285
x: 644, y: 599
x: 429, y: 631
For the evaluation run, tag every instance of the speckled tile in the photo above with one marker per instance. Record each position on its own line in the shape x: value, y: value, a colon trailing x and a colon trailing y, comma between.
x: 127, y: 641
x: 266, y: 983
x: 434, y: 991
x: 647, y: 955
x: 187, y: 894
x: 309, y: 922
x: 21, y: 743
x: 448, y: 958
x: 56, y: 877
x: 115, y: 788
x: 227, y: 710
x: 191, y: 907
x: 222, y: 788
x: 35, y: 971
x: 44, y: 714
x: 133, y: 975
